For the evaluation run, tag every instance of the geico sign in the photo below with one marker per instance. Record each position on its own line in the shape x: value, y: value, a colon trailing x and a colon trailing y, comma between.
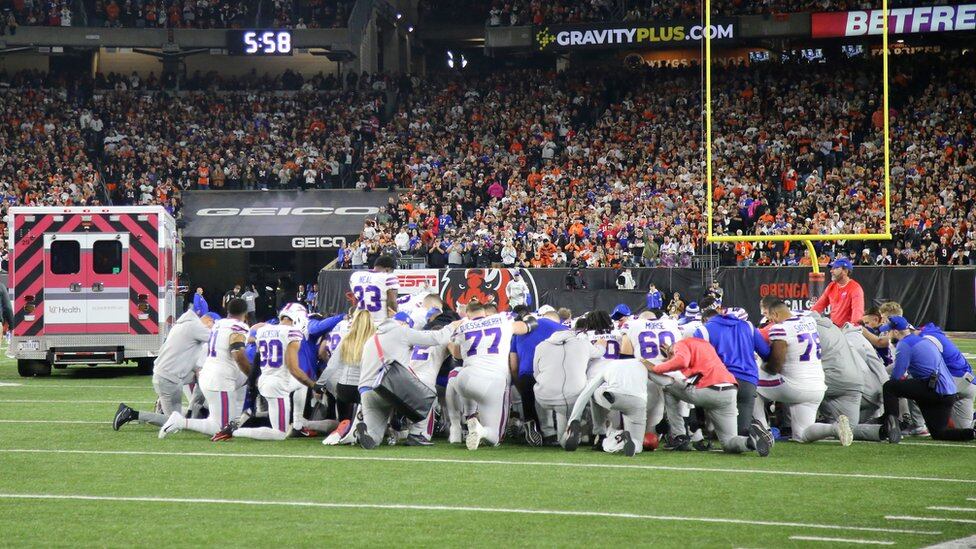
x: 318, y: 242
x: 226, y: 243
x: 312, y: 210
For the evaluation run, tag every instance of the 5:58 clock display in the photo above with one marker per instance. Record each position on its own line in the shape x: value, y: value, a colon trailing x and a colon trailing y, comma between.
x: 259, y: 42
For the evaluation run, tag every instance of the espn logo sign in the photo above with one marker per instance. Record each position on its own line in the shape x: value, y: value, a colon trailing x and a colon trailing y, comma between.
x: 410, y: 280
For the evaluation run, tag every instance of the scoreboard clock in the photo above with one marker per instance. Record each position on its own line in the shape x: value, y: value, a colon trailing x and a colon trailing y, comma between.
x: 259, y: 42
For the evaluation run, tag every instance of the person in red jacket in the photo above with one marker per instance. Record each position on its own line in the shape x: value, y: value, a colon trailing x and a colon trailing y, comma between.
x: 843, y: 295
x: 709, y: 386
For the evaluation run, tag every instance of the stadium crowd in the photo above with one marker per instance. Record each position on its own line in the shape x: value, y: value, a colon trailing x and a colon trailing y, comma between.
x: 539, y: 169
x: 595, y: 167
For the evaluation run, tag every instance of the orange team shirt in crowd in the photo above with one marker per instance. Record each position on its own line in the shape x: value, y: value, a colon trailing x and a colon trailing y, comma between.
x: 846, y: 302
x: 534, y: 180
x: 204, y: 175
x: 743, y: 250
x: 696, y: 359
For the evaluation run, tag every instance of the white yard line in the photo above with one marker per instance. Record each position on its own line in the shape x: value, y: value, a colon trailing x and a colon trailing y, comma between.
x: 639, y: 467
x: 961, y: 543
x: 34, y: 401
x: 844, y: 540
x: 56, y: 421
x: 462, y: 509
x: 931, y: 519
x: 970, y: 499
x: 73, y: 386
x: 957, y: 509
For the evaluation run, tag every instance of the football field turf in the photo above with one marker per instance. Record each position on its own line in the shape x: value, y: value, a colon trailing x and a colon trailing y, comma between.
x: 67, y: 479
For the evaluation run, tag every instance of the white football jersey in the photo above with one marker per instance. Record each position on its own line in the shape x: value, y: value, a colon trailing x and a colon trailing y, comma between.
x: 598, y: 365
x: 802, y: 350
x: 272, y: 342
x: 486, y: 342
x: 369, y: 288
x: 414, y: 307
x: 337, y: 333
x: 220, y: 371
x: 647, y: 337
x: 426, y: 361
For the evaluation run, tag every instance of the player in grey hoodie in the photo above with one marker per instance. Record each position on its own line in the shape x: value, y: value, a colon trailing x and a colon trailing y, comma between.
x: 559, y: 369
x: 175, y: 366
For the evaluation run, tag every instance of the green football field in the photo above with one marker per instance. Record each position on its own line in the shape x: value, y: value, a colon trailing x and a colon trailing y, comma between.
x: 67, y: 479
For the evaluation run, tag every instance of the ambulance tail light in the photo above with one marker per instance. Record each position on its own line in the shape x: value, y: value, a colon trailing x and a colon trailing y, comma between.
x: 143, y: 307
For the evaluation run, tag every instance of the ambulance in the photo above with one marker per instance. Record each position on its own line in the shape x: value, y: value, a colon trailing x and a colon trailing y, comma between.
x: 90, y: 285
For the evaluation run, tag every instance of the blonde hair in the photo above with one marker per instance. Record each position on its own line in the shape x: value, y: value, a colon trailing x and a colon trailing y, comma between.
x: 360, y: 330
x: 890, y: 309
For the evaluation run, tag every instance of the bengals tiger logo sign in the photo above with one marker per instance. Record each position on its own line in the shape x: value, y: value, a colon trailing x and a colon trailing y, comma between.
x: 483, y: 285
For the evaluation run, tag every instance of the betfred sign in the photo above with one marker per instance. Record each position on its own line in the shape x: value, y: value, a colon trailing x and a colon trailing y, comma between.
x: 900, y: 21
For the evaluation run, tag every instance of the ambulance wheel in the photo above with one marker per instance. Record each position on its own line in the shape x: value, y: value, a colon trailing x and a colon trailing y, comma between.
x: 32, y: 368
x: 145, y: 366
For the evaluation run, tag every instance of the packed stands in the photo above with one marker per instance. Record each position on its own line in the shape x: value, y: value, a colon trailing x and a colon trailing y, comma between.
x: 601, y: 167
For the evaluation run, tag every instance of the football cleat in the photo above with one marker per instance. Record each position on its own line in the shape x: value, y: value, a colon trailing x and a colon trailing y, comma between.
x: 703, y: 445
x: 304, y: 432
x: 532, y: 434
x: 890, y: 430
x: 173, y: 425
x: 572, y: 436
x: 680, y: 443
x: 338, y: 434
x: 844, y: 433
x: 416, y: 440
x: 227, y: 432
x: 475, y: 433
x: 362, y: 436
x: 630, y: 447
x: 761, y: 439
x: 123, y: 415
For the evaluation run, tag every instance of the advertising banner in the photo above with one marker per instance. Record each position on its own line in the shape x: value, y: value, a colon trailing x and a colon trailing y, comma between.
x: 919, y: 20
x: 943, y: 295
x: 630, y: 35
x: 276, y: 220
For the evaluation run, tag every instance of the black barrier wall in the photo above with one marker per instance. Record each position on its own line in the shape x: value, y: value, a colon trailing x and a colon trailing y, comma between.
x: 943, y: 295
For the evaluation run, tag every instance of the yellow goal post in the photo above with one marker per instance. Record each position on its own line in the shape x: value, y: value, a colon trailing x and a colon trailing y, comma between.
x: 807, y: 238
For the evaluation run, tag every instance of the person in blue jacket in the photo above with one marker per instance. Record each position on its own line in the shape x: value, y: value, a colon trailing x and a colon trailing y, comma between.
x: 200, y: 306
x: 930, y: 384
x: 962, y: 373
x: 737, y: 342
x: 654, y: 299
x: 520, y: 362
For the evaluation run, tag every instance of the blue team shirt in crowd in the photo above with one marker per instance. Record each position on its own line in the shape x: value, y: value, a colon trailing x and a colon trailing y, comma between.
x: 654, y: 300
x: 920, y: 358
x: 736, y: 342
x: 524, y: 345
